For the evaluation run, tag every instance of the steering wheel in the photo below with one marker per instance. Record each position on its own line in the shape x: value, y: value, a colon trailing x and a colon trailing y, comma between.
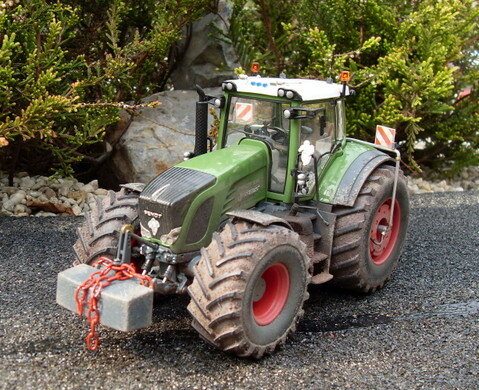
x: 277, y: 129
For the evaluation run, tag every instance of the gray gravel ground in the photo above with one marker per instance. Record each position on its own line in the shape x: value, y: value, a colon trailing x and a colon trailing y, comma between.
x: 421, y: 331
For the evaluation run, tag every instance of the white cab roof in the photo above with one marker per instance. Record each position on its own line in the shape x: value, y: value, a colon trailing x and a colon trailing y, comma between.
x: 305, y: 88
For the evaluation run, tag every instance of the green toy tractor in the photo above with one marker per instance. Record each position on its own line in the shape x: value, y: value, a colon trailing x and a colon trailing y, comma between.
x: 279, y: 200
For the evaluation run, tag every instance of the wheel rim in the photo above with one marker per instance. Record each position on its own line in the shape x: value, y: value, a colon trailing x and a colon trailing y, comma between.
x: 381, y: 245
x: 270, y: 293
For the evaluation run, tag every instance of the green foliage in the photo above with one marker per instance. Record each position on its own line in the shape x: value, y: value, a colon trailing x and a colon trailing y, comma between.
x: 409, y: 61
x: 56, y: 56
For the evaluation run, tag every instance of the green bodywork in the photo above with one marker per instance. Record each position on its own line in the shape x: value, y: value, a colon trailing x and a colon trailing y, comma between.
x: 242, y: 177
x: 334, y: 170
x: 241, y: 181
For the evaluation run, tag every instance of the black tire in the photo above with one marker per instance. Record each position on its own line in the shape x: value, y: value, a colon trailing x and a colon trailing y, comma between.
x: 356, y: 263
x: 97, y: 237
x: 231, y: 275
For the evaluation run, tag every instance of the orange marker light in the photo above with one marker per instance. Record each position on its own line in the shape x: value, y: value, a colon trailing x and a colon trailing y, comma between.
x: 345, y: 76
x: 255, y: 67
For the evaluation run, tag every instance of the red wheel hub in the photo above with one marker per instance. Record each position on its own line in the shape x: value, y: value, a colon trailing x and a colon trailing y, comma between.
x: 270, y: 294
x: 383, y: 238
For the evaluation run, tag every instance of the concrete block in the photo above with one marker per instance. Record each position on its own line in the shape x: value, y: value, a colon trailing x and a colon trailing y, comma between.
x: 124, y: 305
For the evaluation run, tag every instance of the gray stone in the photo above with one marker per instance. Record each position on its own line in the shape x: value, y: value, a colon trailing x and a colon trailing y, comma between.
x: 49, y: 193
x: 101, y: 192
x: 8, y: 206
x: 45, y: 214
x: 39, y: 183
x: 157, y: 138
x: 43, y: 198
x: 17, y: 197
x: 64, y: 190
x: 21, y: 209
x: 34, y: 194
x: 10, y: 190
x: 26, y: 182
x: 76, y: 209
x: 207, y: 60
x: 88, y: 188
x: 78, y: 196
x: 94, y: 184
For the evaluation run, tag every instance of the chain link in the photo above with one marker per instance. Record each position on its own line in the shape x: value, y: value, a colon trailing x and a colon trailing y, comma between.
x: 89, y: 292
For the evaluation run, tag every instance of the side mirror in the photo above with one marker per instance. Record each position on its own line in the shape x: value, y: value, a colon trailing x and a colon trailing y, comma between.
x: 302, y: 112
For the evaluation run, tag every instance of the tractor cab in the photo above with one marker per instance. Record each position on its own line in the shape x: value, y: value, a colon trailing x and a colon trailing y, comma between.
x: 293, y: 117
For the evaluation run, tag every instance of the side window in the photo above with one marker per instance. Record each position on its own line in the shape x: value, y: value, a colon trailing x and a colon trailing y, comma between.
x: 320, y: 130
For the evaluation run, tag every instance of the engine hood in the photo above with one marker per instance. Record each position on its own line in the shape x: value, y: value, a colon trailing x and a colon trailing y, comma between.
x: 184, y: 205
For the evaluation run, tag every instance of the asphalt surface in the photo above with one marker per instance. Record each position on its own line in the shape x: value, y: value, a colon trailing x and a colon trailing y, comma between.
x: 420, y: 331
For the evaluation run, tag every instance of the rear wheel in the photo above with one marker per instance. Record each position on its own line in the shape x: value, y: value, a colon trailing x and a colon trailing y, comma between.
x: 98, y: 235
x: 365, y: 251
x: 249, y: 288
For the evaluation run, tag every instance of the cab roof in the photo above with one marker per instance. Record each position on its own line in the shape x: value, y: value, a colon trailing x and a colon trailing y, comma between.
x: 302, y: 89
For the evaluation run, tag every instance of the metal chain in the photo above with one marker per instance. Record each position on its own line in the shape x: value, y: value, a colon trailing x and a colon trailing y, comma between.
x: 90, y: 290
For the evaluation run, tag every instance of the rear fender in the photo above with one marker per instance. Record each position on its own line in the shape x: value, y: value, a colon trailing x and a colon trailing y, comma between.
x: 357, y: 173
x: 343, y: 178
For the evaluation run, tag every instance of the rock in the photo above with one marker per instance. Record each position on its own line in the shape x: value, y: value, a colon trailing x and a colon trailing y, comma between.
x: 207, y: 60
x: 427, y: 187
x: 20, y: 209
x: 10, y: 190
x: 157, y: 138
x: 17, y: 197
x: 49, y: 193
x: 45, y: 214
x: 64, y: 189
x: 88, y: 188
x: 94, y: 184
x: 67, y: 201
x: 8, y: 206
x: 76, y: 210
x: 34, y: 194
x: 22, y: 174
x: 42, y: 198
x: 101, y: 192
x: 40, y: 182
x: 26, y: 182
x: 77, y: 195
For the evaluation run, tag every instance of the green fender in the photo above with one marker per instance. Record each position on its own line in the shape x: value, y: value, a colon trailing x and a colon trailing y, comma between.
x: 346, y: 172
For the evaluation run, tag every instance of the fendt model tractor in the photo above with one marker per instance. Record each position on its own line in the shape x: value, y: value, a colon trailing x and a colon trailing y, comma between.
x: 280, y: 199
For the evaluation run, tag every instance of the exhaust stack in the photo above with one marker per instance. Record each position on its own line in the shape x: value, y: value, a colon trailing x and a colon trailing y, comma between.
x: 201, y: 124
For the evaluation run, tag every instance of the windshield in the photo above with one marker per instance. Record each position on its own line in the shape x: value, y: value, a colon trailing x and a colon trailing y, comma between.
x: 262, y: 120
x: 253, y: 116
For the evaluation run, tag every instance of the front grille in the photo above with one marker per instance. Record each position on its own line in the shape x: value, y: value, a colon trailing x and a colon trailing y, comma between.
x: 165, y: 200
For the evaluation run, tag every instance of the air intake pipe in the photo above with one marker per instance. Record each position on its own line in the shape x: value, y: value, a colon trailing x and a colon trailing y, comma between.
x: 201, y: 124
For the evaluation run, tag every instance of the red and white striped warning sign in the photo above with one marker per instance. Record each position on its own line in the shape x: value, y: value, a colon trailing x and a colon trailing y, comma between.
x: 244, y: 112
x: 385, y: 136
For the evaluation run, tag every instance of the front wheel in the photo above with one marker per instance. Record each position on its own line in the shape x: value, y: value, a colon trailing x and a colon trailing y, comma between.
x: 365, y: 248
x: 249, y: 288
x: 98, y: 236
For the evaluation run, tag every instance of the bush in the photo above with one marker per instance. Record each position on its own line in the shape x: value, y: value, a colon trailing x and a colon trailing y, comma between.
x: 409, y: 61
x: 64, y: 65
